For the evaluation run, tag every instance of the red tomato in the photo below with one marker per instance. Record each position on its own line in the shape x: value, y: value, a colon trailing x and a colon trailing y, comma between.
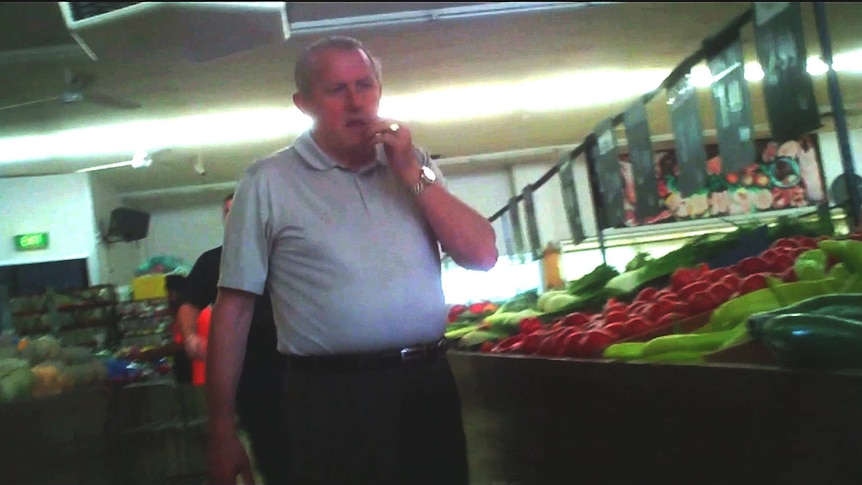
x: 686, y: 292
x: 487, y: 346
x: 750, y: 266
x: 668, y: 319
x: 717, y: 274
x: 752, y: 283
x: 529, y: 325
x: 722, y: 292
x: 618, y: 329
x: 638, y: 325
x: 770, y: 254
x: 616, y: 316
x: 636, y: 307
x: 532, y: 342
x: 784, y: 242
x: 508, y: 344
x: 781, y: 263
x: 577, y: 319
x: 571, y: 344
x: 789, y: 275
x: 594, y: 342
x: 807, y: 242
x: 731, y: 280
x: 612, y: 304
x: 702, y: 302
x: 548, y: 347
x: 478, y: 308
x: 646, y: 294
x: 664, y: 306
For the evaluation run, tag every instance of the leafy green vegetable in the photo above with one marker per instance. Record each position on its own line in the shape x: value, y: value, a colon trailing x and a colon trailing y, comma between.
x: 593, y: 281
x: 639, y: 261
x: 521, y: 301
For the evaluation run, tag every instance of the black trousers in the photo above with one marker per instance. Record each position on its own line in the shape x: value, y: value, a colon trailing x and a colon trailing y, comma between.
x: 397, y: 425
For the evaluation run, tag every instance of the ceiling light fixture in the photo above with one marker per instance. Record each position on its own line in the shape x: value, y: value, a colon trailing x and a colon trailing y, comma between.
x: 564, y: 91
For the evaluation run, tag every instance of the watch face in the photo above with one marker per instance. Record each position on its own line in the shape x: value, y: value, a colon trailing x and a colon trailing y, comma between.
x: 429, y: 175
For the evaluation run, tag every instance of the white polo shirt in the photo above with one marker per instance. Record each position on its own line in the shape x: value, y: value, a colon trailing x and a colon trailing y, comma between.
x: 349, y: 260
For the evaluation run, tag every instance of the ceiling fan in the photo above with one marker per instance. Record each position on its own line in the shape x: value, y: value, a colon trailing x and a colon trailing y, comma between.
x: 141, y: 159
x: 76, y: 89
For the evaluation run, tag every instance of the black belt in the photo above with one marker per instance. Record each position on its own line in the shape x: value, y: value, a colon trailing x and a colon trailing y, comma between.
x: 377, y: 360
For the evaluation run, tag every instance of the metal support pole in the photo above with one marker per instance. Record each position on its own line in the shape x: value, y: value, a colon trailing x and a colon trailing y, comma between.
x: 837, y: 103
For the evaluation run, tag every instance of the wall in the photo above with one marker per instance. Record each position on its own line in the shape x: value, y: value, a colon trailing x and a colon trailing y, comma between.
x: 117, y: 261
x: 184, y: 233
x: 60, y: 205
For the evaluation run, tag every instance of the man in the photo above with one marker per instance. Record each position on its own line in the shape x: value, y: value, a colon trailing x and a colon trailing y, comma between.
x: 258, y: 395
x: 344, y: 230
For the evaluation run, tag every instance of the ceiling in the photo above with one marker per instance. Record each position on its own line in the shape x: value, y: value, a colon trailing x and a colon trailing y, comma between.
x: 35, y: 48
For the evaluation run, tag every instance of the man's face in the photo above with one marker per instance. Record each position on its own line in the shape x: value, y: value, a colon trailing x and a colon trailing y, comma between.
x: 226, y: 210
x: 343, y: 100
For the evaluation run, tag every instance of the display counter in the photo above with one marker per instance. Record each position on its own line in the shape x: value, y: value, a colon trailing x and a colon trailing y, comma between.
x: 536, y: 421
x: 145, y: 432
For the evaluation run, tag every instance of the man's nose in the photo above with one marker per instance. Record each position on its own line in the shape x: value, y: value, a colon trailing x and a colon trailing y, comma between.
x: 354, y: 98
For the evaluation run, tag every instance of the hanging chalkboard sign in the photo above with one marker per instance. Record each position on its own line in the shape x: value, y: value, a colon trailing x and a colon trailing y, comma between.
x: 788, y: 90
x: 506, y: 222
x: 517, y: 232
x: 688, y: 137
x: 570, y: 201
x: 605, y: 160
x: 532, y: 224
x: 732, y: 106
x: 641, y: 158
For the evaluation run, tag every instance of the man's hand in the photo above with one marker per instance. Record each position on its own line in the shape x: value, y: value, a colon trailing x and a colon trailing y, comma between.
x: 398, y: 145
x: 196, y: 347
x: 227, y: 458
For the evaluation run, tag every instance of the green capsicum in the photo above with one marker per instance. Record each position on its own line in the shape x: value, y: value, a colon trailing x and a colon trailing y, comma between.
x: 811, y: 265
x: 735, y: 311
x: 847, y: 251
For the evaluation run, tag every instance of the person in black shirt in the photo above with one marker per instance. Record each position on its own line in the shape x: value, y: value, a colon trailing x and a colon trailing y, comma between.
x: 258, y: 397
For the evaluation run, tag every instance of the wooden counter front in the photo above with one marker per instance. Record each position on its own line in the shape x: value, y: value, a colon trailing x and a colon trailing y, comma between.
x: 536, y: 421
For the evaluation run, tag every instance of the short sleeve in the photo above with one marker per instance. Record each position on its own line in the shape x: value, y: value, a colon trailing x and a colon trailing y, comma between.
x: 247, y: 237
x: 201, y: 283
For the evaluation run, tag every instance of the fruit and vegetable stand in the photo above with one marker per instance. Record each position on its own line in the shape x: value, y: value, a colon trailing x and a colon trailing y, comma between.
x: 747, y: 370
x: 735, y: 359
x: 546, y: 421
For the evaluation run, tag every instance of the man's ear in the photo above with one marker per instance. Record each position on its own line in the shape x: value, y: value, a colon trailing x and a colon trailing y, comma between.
x: 299, y: 101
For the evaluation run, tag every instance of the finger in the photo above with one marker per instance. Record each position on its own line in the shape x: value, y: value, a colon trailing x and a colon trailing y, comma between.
x: 247, y: 475
x: 388, y: 126
x: 384, y: 137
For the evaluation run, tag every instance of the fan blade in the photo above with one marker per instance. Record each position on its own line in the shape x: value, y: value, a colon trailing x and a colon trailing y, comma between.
x: 27, y: 103
x: 78, y: 81
x: 111, y: 101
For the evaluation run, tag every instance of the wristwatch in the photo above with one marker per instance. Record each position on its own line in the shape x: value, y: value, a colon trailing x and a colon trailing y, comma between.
x: 427, y: 176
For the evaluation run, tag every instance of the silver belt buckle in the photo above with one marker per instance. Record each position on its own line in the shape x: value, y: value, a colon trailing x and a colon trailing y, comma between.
x: 411, y: 353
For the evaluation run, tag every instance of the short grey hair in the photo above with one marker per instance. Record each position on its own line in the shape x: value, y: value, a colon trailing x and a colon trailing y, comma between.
x: 303, y: 72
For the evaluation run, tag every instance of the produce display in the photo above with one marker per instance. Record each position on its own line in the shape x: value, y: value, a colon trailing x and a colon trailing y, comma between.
x: 687, y: 305
x: 42, y: 367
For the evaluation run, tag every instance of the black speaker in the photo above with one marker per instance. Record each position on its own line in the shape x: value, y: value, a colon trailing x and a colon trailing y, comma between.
x: 127, y: 225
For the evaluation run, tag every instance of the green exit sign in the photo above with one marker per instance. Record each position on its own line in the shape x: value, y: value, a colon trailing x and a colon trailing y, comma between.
x: 30, y: 242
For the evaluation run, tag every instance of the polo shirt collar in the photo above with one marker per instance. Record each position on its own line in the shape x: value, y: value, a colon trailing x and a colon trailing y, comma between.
x: 315, y: 157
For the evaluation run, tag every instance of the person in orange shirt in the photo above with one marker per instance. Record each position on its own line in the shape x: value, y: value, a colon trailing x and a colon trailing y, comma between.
x: 199, y: 364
